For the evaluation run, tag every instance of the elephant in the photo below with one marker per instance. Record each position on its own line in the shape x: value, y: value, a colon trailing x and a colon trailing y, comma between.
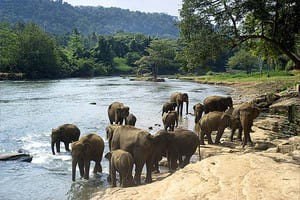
x: 65, y: 133
x: 117, y: 112
x: 244, y: 116
x: 253, y: 113
x: 216, y: 103
x: 184, y: 143
x: 137, y: 142
x: 168, y: 106
x: 130, y: 120
x: 121, y: 161
x: 198, y: 110
x: 179, y: 98
x: 170, y: 120
x: 88, y: 148
x: 213, y: 121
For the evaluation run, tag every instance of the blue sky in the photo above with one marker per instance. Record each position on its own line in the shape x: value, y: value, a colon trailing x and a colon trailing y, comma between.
x: 165, y: 6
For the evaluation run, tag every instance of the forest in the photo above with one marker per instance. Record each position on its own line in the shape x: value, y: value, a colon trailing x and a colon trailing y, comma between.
x: 215, y: 36
x: 58, y: 17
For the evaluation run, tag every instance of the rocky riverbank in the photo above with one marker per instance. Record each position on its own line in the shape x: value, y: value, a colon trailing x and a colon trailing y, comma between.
x: 268, y: 170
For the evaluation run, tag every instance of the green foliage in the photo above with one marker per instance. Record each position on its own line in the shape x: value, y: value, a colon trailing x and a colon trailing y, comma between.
x: 243, y: 60
x: 269, y: 26
x: 161, y: 58
x: 60, y: 17
x: 121, y: 66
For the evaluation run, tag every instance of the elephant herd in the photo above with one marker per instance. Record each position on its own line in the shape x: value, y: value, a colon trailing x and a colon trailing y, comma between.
x: 130, y: 146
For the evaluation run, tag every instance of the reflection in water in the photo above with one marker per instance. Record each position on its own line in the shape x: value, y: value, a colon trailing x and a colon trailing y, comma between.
x: 30, y: 109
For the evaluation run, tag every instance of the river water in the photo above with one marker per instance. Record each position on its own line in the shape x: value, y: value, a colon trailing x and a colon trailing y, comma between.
x: 30, y: 109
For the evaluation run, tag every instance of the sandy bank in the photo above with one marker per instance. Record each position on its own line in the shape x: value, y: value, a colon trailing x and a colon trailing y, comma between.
x: 247, y: 176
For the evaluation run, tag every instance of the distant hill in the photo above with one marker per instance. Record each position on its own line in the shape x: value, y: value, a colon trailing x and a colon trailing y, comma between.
x: 59, y: 17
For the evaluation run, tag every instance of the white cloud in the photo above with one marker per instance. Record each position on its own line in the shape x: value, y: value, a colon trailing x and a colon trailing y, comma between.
x: 165, y: 6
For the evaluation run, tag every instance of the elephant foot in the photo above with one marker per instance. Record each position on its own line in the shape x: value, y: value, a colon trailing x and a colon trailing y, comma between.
x: 202, y: 143
x: 148, y: 180
x: 210, y: 143
x: 156, y: 171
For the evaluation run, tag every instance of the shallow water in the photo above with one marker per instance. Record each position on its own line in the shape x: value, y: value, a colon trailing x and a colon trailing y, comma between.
x: 30, y: 109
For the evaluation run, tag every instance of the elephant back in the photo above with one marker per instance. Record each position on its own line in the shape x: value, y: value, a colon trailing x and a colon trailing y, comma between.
x: 174, y: 96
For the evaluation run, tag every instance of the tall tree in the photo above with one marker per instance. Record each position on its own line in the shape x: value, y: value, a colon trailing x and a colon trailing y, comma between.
x: 273, y: 23
x: 161, y: 54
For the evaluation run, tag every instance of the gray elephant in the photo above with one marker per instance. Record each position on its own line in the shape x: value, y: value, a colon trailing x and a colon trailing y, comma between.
x: 168, y: 106
x: 170, y: 120
x: 213, y: 121
x: 117, y: 112
x: 179, y: 98
x: 183, y: 145
x: 198, y: 110
x: 88, y: 148
x: 216, y: 103
x: 244, y: 116
x: 66, y: 133
x: 138, y: 143
x: 122, y: 162
x: 130, y: 120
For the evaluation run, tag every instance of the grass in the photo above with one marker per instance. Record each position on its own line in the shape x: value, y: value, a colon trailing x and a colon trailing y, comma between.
x: 240, y: 76
x: 121, y: 66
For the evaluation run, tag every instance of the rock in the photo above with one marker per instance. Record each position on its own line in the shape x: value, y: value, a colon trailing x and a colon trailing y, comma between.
x: 262, y: 146
x: 295, y: 155
x: 93, y: 103
x: 247, y: 176
x: 285, y: 148
x: 150, y: 128
x: 22, y: 157
x: 271, y: 150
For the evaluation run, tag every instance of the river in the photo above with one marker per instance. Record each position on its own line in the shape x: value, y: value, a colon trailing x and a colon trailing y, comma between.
x: 30, y: 109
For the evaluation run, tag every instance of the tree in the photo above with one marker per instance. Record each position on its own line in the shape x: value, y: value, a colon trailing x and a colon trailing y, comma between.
x: 161, y: 55
x: 243, y: 60
x: 272, y: 23
x: 9, y: 48
x: 103, y: 52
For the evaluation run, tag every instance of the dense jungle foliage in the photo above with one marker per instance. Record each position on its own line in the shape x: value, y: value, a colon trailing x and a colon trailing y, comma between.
x: 59, y: 17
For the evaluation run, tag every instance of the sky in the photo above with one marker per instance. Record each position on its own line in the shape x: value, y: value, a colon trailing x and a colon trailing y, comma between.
x: 163, y: 6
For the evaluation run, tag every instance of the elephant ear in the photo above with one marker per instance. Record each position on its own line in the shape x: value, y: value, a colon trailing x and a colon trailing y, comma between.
x: 118, y: 110
x: 194, y: 107
x: 227, y: 118
x: 86, y: 146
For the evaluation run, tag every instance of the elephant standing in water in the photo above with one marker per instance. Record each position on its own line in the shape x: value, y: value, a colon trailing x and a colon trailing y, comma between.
x: 121, y: 161
x: 138, y: 142
x: 66, y: 133
x: 130, y: 120
x: 213, y: 121
x: 168, y: 106
x: 179, y: 98
x: 117, y: 112
x: 170, y: 120
x: 216, y: 103
x: 198, y: 110
x: 88, y: 148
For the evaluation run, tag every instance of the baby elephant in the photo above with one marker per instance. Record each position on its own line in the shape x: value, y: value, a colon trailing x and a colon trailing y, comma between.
x: 130, y: 120
x: 213, y: 121
x: 168, y: 106
x: 66, y: 133
x: 170, y: 120
x: 120, y: 161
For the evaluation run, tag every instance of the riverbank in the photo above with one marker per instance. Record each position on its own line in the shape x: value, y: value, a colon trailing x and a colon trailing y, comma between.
x: 267, y: 170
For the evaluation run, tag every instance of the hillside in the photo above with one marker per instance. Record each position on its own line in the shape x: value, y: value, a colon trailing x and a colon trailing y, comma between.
x: 60, y: 17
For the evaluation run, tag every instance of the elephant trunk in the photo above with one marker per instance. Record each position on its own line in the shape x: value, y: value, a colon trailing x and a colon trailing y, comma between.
x: 187, y: 107
x: 52, y: 147
x: 74, y: 163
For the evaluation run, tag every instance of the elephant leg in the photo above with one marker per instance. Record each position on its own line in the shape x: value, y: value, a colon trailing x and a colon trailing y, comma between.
x: 67, y: 146
x: 202, y: 137
x: 245, y: 139
x: 86, y: 169
x: 181, y: 163
x: 113, y: 176
x: 138, y: 172
x: 232, y: 134
x: 249, y: 139
x: 81, y: 168
x: 209, y: 138
x: 148, y: 171
x: 240, y: 134
x: 181, y: 108
x: 186, y: 160
x: 219, y: 135
x: 121, y: 121
x: 98, y: 167
x: 166, y: 127
x: 58, y: 146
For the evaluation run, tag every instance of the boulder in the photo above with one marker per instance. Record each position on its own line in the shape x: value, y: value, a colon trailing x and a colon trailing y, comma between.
x: 22, y: 157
